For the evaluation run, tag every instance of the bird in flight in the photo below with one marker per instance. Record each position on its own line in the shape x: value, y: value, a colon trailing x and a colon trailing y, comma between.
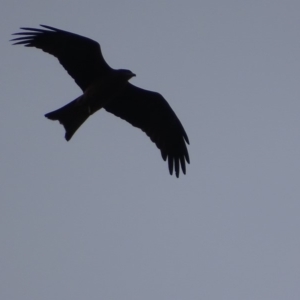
x: 104, y: 87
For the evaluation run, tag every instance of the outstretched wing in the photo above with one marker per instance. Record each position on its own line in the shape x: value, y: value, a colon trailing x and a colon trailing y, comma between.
x: 80, y: 56
x: 150, y: 112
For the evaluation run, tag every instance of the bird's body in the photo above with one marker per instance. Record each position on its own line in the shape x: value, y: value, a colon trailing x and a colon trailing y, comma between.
x: 100, y: 92
x: 104, y: 87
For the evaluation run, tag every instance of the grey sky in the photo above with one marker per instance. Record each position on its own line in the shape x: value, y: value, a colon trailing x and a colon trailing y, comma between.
x: 100, y: 217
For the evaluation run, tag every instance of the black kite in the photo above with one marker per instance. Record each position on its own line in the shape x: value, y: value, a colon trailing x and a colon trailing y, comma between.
x: 105, y: 87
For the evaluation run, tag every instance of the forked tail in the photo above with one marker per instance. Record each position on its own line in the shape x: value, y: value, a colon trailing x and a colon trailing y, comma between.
x: 71, y: 116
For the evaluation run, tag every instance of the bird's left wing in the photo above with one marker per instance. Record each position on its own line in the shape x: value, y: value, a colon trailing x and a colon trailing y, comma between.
x: 80, y: 56
x: 150, y: 112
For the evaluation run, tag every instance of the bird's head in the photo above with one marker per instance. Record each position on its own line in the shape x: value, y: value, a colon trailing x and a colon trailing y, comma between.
x: 126, y: 73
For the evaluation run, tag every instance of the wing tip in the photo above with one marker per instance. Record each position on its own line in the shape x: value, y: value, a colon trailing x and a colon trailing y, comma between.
x: 50, y: 27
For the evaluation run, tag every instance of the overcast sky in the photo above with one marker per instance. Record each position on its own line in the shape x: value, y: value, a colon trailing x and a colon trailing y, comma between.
x: 99, y: 217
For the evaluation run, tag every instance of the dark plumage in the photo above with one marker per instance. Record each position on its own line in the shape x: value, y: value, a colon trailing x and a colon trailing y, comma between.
x: 105, y: 87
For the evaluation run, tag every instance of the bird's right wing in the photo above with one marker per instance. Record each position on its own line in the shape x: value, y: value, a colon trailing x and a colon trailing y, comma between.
x: 150, y: 112
x: 80, y: 56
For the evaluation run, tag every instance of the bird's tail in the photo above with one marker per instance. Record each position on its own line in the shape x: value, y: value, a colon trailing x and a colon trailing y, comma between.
x: 71, y: 116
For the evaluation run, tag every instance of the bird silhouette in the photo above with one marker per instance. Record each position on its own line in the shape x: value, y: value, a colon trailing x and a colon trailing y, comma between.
x: 104, y: 87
